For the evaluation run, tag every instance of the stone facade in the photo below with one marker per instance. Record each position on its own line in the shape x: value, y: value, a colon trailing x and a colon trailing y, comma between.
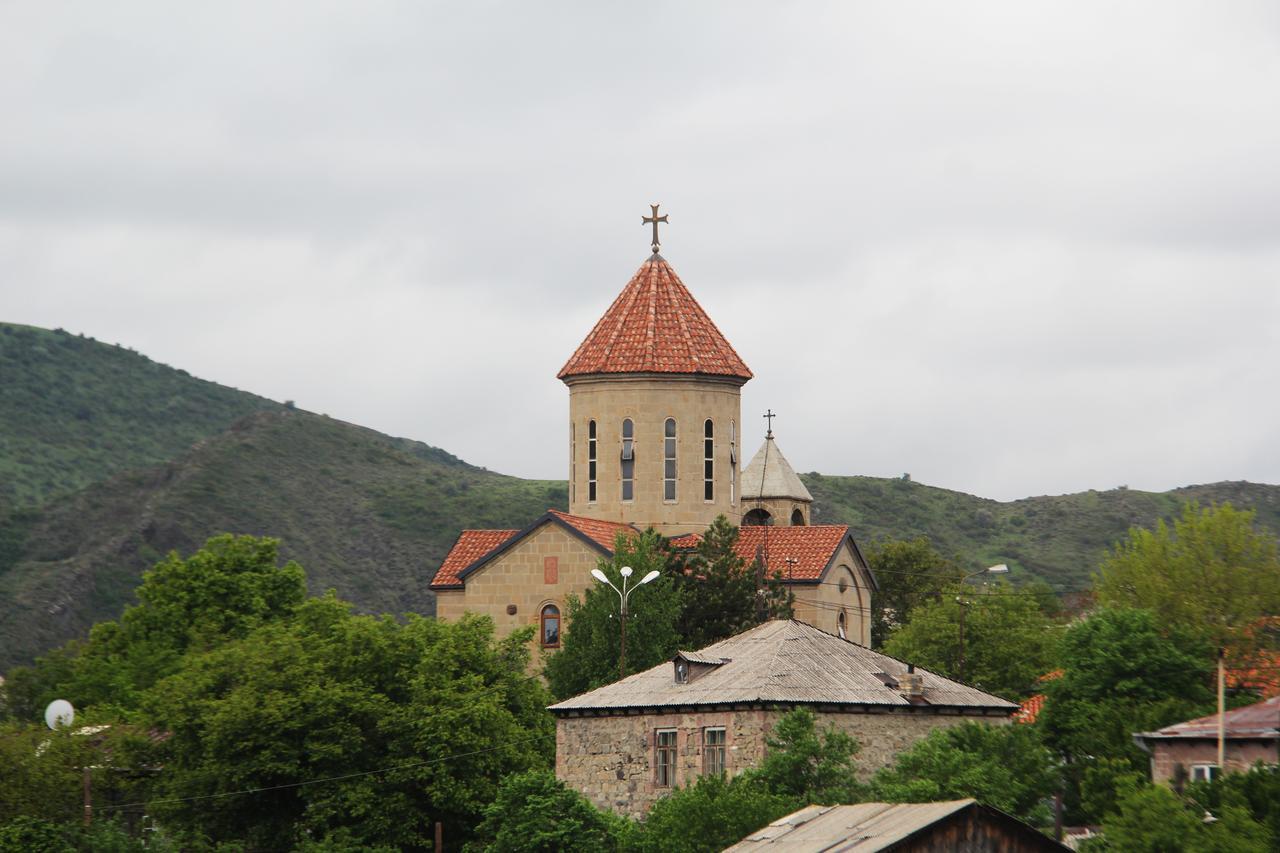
x: 648, y: 401
x: 781, y: 511
x: 839, y: 593
x: 611, y: 759
x: 1172, y: 760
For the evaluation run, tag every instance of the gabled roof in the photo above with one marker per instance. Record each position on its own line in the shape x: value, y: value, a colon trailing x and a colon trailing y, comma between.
x: 474, y: 548
x: 784, y: 662
x: 814, y: 549
x: 770, y: 475
x: 655, y: 326
x: 1259, y: 721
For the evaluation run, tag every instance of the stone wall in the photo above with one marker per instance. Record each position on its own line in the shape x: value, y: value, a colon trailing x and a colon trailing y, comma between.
x: 610, y: 759
x: 1238, y: 755
x: 820, y: 604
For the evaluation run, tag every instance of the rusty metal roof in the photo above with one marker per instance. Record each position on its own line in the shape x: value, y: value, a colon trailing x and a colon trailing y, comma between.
x: 784, y: 662
x: 1260, y: 720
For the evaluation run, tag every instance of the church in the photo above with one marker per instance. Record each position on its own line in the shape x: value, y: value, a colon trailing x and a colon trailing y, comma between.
x: 654, y: 436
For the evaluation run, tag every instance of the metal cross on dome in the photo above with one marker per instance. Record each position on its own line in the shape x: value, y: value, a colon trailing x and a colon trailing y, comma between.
x: 654, y: 219
x: 769, y: 416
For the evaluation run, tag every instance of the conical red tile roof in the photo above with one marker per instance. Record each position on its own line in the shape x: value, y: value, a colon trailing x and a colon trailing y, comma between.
x: 655, y: 326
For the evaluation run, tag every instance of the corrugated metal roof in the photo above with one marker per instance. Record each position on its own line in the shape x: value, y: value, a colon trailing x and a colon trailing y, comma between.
x: 1259, y: 720
x: 695, y: 657
x: 770, y: 475
x: 783, y: 662
x: 864, y: 827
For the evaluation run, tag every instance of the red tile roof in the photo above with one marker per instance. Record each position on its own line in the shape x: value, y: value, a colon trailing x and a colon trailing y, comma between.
x: 1030, y: 709
x: 471, y: 546
x: 812, y: 547
x: 655, y: 326
x: 600, y: 532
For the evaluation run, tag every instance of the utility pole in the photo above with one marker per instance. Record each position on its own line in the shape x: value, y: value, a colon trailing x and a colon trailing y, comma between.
x: 88, y: 798
x: 622, y: 653
x: 623, y: 595
x: 1222, y: 709
x: 963, y: 609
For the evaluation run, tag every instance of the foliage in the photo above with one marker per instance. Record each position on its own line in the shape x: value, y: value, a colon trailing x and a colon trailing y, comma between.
x: 535, y: 811
x: 1002, y: 766
x: 910, y: 573
x: 221, y: 592
x: 1153, y: 819
x: 1212, y: 569
x: 720, y: 593
x: 361, y: 729
x: 1257, y: 791
x: 1120, y: 675
x: 808, y: 765
x: 591, y: 641
x: 1008, y: 640
x: 26, y: 834
x: 711, y: 814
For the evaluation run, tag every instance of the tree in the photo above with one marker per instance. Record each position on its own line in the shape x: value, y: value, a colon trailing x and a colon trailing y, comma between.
x: 711, y: 814
x: 1008, y: 642
x: 909, y: 573
x: 1152, y: 819
x: 1212, y: 569
x: 1002, y: 766
x: 720, y: 592
x: 808, y: 765
x: 591, y: 642
x: 349, y: 730
x: 534, y: 812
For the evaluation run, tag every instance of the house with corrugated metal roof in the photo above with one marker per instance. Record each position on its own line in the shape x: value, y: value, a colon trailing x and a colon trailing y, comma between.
x: 1189, y: 751
x: 706, y: 712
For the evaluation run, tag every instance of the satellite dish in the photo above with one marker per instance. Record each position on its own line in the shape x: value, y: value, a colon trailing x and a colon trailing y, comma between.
x: 59, y: 713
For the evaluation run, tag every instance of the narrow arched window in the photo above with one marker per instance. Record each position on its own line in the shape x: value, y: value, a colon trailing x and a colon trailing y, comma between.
x: 840, y: 626
x: 591, y: 461
x: 733, y: 464
x: 669, y: 460
x: 628, y: 468
x: 797, y: 518
x: 550, y: 626
x: 573, y: 462
x: 708, y: 461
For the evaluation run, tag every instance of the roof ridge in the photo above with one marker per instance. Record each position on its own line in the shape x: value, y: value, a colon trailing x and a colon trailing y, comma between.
x: 674, y: 294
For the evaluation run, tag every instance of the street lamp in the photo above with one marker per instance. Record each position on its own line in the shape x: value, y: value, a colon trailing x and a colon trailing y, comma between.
x: 623, y: 595
x: 997, y: 569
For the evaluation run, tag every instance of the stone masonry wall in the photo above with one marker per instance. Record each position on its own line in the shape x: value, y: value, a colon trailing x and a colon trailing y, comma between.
x: 820, y: 604
x: 1238, y: 755
x: 611, y: 759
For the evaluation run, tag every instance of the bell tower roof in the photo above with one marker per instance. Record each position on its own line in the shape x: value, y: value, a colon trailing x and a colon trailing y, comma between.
x: 655, y: 326
x: 770, y: 475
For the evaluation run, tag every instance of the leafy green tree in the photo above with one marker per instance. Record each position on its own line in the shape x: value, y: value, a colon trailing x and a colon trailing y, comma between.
x: 591, y: 642
x: 721, y: 593
x: 534, y: 812
x: 221, y: 592
x: 1002, y: 766
x: 809, y: 765
x: 1257, y: 791
x: 1008, y: 640
x: 1153, y: 819
x: 26, y: 834
x: 1212, y: 569
x: 909, y: 573
x: 711, y: 814
x: 346, y: 730
x: 1121, y: 675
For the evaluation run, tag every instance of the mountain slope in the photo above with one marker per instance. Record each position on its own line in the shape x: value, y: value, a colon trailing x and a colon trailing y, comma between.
x: 74, y: 411
x: 367, y: 515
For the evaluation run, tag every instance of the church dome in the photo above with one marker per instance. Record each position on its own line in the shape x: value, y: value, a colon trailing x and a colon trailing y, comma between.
x: 655, y: 326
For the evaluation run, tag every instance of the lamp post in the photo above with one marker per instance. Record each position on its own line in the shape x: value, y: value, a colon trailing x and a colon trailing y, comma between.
x: 623, y: 595
x: 998, y: 569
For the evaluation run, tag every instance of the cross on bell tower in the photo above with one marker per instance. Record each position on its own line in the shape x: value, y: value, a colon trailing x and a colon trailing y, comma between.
x: 769, y: 416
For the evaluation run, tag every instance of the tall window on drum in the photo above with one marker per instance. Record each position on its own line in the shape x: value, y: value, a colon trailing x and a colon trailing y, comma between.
x: 708, y: 461
x: 591, y: 461
x: 733, y: 463
x: 573, y: 462
x: 628, y: 468
x: 669, y: 460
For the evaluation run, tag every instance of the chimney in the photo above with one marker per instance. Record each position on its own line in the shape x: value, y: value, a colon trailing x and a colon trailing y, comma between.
x: 911, y: 683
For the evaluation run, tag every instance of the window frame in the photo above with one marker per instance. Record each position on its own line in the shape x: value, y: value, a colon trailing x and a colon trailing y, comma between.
x: 1205, y: 772
x: 664, y: 757
x: 591, y: 461
x: 708, y: 461
x: 670, y: 460
x: 542, y: 625
x: 627, y: 461
x: 715, y: 756
x: 573, y: 462
x: 733, y: 463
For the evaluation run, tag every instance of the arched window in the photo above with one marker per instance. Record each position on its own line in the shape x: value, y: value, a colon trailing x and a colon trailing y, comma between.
x: 757, y: 517
x: 708, y: 461
x: 591, y: 461
x: 573, y: 462
x: 797, y: 518
x: 733, y: 464
x: 628, y: 469
x: 669, y: 460
x: 840, y: 626
x: 550, y: 626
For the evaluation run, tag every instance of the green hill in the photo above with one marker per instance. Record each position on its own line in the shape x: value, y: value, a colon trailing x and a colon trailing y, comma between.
x: 74, y: 411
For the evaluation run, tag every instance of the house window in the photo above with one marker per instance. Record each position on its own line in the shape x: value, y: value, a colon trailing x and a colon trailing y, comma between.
x: 628, y: 469
x: 733, y: 463
x: 591, y: 461
x: 573, y: 462
x: 665, y: 759
x: 840, y: 625
x: 713, y: 751
x: 669, y: 460
x: 1204, y: 772
x: 550, y: 627
x: 708, y: 461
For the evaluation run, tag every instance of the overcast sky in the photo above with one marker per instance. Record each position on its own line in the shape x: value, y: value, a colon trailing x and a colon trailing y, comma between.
x: 1011, y: 248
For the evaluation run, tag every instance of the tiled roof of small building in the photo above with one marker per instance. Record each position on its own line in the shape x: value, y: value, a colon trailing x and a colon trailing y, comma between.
x: 770, y: 475
x: 784, y: 662
x: 655, y: 326
x: 1260, y: 720
x: 474, y: 546
x: 811, y: 546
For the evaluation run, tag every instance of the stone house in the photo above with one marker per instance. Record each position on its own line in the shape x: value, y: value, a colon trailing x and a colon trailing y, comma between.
x: 628, y: 743
x: 653, y: 440
x: 1189, y: 751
